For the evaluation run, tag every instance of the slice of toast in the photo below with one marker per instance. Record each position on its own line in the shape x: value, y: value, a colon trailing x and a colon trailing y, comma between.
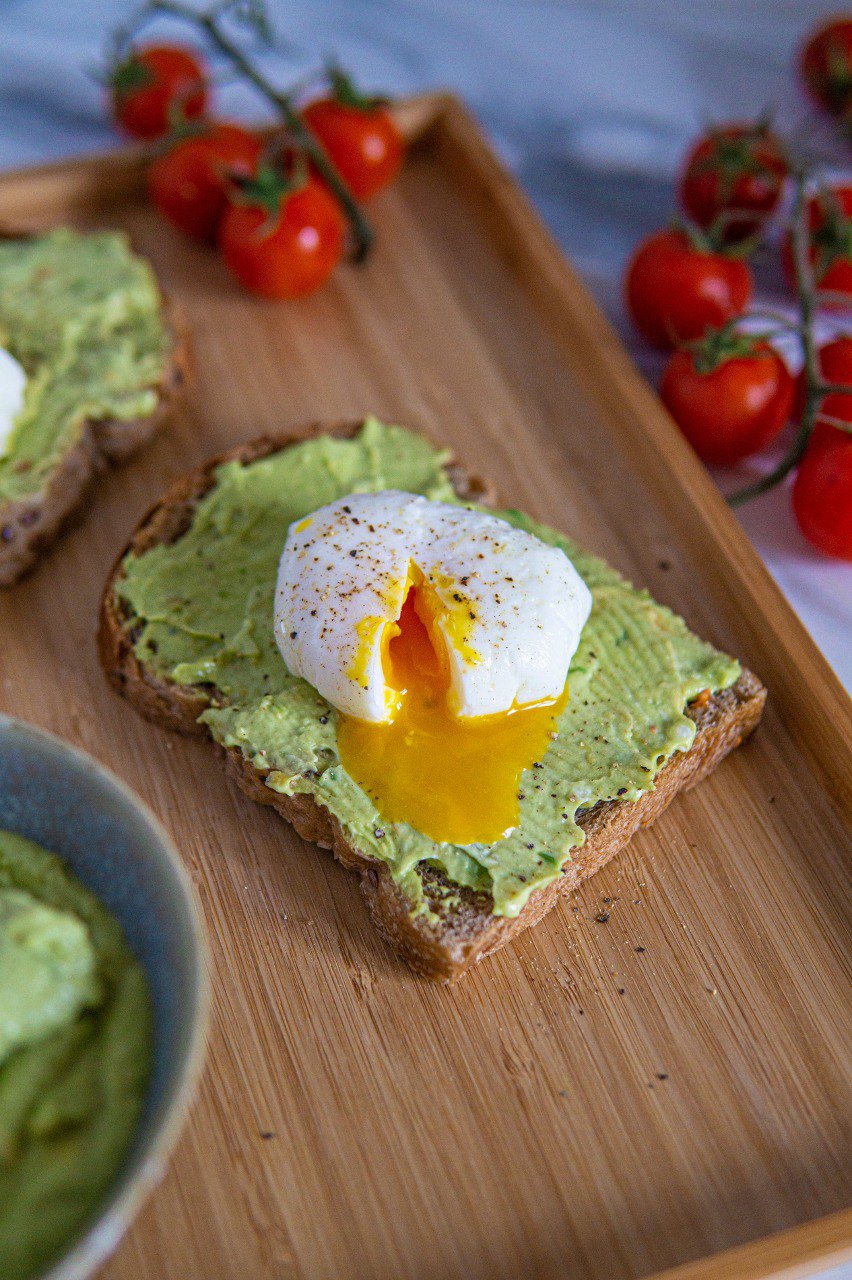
x: 462, y: 928
x: 29, y: 525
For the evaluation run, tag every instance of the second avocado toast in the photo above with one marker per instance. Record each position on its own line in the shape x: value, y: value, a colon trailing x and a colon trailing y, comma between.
x: 103, y: 355
x: 651, y: 708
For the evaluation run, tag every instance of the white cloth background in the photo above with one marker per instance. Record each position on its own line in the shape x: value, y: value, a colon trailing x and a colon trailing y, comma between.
x: 592, y: 104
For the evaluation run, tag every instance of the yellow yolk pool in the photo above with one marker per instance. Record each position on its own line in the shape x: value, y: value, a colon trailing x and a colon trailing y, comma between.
x: 453, y: 778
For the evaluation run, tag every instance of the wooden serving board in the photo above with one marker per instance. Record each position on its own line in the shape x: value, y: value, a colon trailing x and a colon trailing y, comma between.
x: 600, y: 1100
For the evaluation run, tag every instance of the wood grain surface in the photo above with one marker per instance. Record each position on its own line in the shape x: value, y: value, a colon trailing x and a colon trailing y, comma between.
x: 600, y: 1101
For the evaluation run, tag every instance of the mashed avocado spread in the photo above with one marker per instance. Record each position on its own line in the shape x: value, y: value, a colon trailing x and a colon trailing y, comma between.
x: 201, y: 610
x: 75, y: 1054
x: 83, y: 315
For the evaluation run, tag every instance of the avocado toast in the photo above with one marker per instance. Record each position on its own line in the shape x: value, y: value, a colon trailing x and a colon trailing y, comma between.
x: 105, y: 357
x: 186, y: 636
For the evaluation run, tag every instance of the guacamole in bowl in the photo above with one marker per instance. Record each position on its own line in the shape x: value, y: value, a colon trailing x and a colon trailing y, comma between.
x: 102, y: 1006
x: 76, y: 1038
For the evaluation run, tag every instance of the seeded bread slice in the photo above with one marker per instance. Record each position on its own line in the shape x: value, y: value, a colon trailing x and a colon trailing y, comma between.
x: 462, y: 929
x: 29, y: 525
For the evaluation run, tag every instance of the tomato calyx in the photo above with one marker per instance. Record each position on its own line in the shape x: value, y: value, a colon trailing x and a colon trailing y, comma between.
x: 711, y: 240
x: 182, y: 128
x: 344, y: 92
x: 719, y: 346
x: 280, y: 174
x: 129, y: 74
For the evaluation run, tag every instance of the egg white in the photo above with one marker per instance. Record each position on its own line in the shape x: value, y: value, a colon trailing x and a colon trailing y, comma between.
x: 509, y: 608
x: 13, y: 381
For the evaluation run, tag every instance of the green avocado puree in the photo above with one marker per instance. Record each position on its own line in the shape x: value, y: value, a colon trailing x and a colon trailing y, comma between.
x: 75, y: 1054
x: 201, y: 613
x: 83, y: 315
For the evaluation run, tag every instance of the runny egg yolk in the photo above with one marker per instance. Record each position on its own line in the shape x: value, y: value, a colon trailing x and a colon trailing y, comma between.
x: 453, y: 778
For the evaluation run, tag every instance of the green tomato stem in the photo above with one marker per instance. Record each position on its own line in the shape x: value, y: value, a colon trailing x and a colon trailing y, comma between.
x: 814, y: 384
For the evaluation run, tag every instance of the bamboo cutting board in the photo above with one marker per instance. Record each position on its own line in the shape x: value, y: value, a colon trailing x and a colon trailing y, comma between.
x: 599, y: 1101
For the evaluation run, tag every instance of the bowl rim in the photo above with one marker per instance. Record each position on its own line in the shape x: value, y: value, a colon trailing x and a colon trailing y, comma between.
x: 146, y: 1168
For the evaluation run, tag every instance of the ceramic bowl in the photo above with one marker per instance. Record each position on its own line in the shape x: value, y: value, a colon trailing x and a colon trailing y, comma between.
x: 65, y: 801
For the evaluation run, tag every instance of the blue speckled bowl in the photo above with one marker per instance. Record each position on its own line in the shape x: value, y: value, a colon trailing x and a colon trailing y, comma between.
x: 65, y: 801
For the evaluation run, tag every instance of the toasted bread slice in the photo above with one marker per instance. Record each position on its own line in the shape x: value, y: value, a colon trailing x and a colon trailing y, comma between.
x: 462, y: 928
x: 29, y: 525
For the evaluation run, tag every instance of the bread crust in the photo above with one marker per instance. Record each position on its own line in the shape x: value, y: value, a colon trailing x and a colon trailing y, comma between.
x: 465, y: 930
x: 28, y: 526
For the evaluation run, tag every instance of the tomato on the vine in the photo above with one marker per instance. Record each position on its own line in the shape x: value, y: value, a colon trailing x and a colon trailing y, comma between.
x: 188, y: 182
x: 281, y: 235
x: 677, y: 289
x: 822, y: 492
x: 829, y: 222
x: 835, y: 365
x: 826, y: 65
x: 359, y: 135
x: 155, y: 83
x: 731, y: 169
x: 730, y: 395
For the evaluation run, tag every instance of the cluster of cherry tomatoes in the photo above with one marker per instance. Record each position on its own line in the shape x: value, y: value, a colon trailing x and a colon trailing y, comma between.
x: 277, y: 225
x: 731, y: 393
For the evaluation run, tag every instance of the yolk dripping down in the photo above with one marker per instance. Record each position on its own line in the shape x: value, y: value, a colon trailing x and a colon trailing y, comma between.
x: 453, y: 778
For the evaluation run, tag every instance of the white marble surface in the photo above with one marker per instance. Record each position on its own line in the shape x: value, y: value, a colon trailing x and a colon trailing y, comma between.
x: 592, y: 105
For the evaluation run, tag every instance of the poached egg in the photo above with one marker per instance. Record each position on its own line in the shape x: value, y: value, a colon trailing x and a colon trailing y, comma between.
x: 13, y: 382
x: 443, y: 637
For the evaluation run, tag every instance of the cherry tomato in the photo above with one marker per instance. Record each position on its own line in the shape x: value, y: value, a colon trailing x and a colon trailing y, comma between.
x: 822, y: 493
x: 279, y: 239
x: 360, y: 136
x: 728, y: 406
x: 734, y: 167
x: 835, y: 364
x: 154, y: 82
x: 829, y: 217
x: 676, y: 291
x: 188, y: 182
x: 826, y: 65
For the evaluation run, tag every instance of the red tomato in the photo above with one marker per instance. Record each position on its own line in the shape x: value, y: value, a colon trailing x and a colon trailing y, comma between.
x: 675, y: 292
x: 822, y: 493
x: 826, y: 65
x: 360, y: 136
x: 153, y: 83
x: 734, y: 167
x: 829, y: 215
x: 188, y: 182
x: 835, y: 363
x: 738, y: 405
x: 282, y: 245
